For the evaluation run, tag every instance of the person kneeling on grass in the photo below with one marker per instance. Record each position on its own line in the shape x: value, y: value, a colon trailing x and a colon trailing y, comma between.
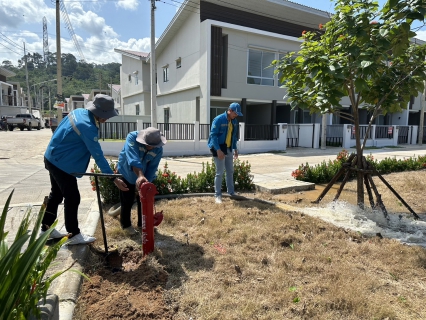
x: 137, y: 163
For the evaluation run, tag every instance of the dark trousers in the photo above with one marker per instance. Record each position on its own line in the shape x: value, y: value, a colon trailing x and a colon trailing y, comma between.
x: 63, y: 187
x: 127, y: 198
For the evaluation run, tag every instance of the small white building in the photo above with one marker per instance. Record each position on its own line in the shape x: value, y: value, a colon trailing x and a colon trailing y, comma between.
x: 12, y: 98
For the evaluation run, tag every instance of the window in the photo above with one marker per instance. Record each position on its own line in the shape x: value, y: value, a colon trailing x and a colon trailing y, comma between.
x: 137, y: 110
x: 136, y: 80
x: 215, y: 111
x: 302, y: 116
x: 178, y: 63
x: 130, y: 78
x: 280, y: 56
x: 258, y: 71
x: 166, y: 74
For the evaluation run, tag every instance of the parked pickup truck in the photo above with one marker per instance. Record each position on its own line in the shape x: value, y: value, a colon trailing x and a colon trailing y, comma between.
x: 22, y: 121
x: 54, y: 121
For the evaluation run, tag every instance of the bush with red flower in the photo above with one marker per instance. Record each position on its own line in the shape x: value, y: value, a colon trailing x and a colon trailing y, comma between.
x: 168, y: 182
x: 107, y: 188
x: 326, y: 170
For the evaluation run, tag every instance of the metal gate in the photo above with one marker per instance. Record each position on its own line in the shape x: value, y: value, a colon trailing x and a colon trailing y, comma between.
x: 293, y: 135
x: 403, y: 134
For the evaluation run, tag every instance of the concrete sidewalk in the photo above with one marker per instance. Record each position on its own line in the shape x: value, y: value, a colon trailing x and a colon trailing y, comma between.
x: 272, y: 171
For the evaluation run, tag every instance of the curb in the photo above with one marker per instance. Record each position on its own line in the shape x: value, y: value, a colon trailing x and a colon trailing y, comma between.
x: 68, y: 285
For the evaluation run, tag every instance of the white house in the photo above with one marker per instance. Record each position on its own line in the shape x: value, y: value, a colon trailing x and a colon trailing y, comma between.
x: 216, y: 52
x: 115, y: 90
x: 206, y: 61
x: 135, y: 83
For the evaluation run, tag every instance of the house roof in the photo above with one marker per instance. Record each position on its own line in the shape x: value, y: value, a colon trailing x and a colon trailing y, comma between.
x: 277, y: 9
x: 6, y: 73
x: 133, y: 54
x: 85, y: 95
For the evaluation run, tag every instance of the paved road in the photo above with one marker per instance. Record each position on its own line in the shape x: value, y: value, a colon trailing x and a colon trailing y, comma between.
x: 22, y: 167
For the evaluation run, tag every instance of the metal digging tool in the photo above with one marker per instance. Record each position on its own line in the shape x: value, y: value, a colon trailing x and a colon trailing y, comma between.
x: 109, y: 256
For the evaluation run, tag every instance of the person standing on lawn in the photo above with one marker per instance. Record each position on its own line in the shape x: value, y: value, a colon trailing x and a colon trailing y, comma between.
x: 138, y: 163
x: 69, y: 151
x: 222, y: 142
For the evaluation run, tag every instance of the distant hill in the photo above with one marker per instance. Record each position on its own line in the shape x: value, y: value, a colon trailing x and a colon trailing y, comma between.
x: 77, y: 77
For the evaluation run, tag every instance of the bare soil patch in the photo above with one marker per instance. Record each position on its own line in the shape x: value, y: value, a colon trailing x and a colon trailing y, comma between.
x: 252, y: 260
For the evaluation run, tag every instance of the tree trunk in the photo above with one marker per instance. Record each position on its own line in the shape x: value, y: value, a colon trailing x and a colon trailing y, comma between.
x: 359, y: 149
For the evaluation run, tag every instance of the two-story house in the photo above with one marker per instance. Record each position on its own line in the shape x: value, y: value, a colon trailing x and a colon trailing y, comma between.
x: 216, y: 52
x: 115, y: 90
x: 12, y: 98
x: 135, y: 88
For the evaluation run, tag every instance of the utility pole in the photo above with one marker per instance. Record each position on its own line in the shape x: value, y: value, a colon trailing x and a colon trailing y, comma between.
x: 28, y: 86
x: 324, y: 132
x: 422, y: 115
x: 50, y: 105
x: 42, y: 100
x: 58, y: 61
x: 153, y: 69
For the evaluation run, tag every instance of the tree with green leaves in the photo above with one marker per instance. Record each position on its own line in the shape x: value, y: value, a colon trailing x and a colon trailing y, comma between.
x: 365, y: 53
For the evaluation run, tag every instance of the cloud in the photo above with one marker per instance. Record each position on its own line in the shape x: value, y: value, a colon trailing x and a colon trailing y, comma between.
x: 16, y: 13
x: 96, y: 38
x: 93, y: 24
x: 102, y: 51
x: 421, y: 35
x: 128, y: 4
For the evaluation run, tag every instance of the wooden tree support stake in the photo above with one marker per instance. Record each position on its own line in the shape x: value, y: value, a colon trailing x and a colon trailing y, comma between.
x: 394, y: 192
x: 335, y: 178
x: 367, y: 186
x: 342, y: 185
x: 367, y: 170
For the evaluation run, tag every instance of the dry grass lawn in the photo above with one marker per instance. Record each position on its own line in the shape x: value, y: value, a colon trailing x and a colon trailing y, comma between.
x: 253, y: 260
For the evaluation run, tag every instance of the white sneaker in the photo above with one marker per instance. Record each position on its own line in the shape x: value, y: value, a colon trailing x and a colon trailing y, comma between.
x: 80, y: 239
x: 218, y: 199
x: 55, y: 234
x: 130, y: 231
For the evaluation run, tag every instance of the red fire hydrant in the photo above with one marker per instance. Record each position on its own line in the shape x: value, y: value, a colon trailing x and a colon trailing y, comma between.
x: 147, y: 191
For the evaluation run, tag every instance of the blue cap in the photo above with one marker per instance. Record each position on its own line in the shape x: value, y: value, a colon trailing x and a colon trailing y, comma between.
x: 236, y: 107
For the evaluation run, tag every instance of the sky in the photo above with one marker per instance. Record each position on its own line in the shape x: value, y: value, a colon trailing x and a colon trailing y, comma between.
x: 98, y: 25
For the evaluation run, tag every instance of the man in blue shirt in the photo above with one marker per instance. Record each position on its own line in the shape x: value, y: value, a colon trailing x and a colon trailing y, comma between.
x: 222, y: 142
x: 137, y: 163
x: 69, y: 151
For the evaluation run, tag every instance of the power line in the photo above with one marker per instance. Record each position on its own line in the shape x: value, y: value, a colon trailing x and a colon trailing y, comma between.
x: 70, y: 29
x: 10, y: 49
x: 11, y: 42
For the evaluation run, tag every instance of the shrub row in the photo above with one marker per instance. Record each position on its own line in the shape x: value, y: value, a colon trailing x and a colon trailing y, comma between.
x: 324, y: 172
x: 168, y: 182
